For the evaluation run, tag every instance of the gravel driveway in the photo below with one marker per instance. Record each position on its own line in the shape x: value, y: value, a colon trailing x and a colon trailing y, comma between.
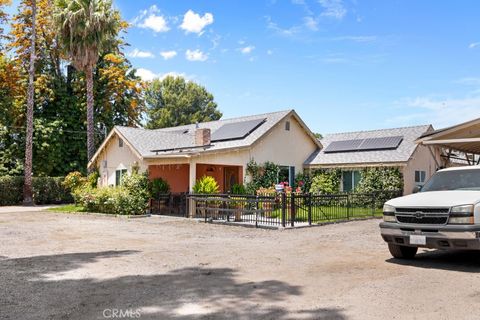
x: 64, y: 266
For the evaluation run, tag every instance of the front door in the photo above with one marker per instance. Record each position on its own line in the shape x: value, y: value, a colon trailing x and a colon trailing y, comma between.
x: 231, y: 178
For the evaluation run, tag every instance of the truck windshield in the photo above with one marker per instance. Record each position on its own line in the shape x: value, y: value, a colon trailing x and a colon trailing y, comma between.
x: 468, y: 179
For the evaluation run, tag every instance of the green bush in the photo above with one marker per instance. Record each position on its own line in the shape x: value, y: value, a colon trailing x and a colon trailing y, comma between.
x: 380, y: 179
x: 262, y: 176
x: 131, y: 198
x: 11, y: 190
x: 158, y: 186
x: 206, y: 185
x: 74, y: 180
x: 326, y: 182
x: 238, y: 189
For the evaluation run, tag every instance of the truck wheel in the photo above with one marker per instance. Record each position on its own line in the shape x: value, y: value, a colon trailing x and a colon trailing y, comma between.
x: 402, y: 252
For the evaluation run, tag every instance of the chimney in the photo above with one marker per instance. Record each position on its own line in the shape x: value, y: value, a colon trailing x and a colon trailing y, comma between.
x: 202, y: 137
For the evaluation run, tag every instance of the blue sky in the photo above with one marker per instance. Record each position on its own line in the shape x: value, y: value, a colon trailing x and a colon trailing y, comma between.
x: 344, y: 65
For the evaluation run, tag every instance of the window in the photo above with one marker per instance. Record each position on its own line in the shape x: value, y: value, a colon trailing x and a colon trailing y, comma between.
x: 287, y: 126
x: 119, y: 174
x: 120, y: 143
x: 350, y: 180
x: 287, y: 174
x: 420, y: 177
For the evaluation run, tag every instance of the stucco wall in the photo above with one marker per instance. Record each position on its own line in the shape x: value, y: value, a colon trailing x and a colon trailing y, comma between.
x: 175, y: 174
x: 421, y: 160
x: 286, y: 148
x: 117, y: 158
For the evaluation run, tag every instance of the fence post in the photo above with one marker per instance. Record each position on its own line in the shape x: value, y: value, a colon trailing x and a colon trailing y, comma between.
x: 185, y: 197
x: 348, y: 206
x: 373, y: 204
x: 309, y: 209
x: 284, y: 208
x: 256, y: 210
x: 292, y: 209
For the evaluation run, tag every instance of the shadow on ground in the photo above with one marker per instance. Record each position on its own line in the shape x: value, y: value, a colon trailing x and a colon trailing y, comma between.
x: 188, y: 293
x: 451, y: 260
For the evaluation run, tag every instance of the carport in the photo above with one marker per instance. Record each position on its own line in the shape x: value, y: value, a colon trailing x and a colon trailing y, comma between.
x: 460, y: 143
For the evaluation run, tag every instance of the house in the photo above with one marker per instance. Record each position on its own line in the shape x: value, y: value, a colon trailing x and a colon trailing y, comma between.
x: 353, y: 151
x: 221, y: 149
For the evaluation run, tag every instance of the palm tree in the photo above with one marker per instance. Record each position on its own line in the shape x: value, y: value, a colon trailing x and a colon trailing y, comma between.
x: 86, y: 29
x: 27, y: 186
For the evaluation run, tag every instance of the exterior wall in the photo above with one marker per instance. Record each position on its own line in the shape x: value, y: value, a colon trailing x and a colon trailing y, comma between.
x: 285, y: 148
x: 218, y: 173
x: 117, y: 158
x: 176, y: 175
x: 423, y: 160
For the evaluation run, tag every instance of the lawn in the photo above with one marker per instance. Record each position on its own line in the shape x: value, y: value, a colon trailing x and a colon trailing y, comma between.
x: 329, y: 214
x: 70, y: 208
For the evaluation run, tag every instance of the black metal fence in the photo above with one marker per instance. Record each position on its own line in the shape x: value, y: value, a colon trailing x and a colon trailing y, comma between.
x: 275, y: 209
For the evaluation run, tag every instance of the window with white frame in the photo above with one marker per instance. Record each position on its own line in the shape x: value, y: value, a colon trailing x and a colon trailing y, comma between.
x: 119, y: 175
x: 350, y: 180
x: 420, y: 177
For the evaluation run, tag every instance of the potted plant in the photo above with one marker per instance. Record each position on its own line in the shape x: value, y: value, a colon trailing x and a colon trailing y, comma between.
x: 207, y: 185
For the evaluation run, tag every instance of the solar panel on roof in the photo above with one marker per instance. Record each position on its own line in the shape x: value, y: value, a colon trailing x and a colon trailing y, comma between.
x: 368, y: 144
x: 381, y: 143
x: 344, y: 145
x: 236, y: 130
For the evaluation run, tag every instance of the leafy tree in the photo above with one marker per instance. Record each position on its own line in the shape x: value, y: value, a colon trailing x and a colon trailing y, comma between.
x: 86, y: 29
x: 318, y: 136
x: 174, y: 101
x: 27, y: 187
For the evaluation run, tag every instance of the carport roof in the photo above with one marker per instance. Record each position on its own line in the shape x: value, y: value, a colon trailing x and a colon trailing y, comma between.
x: 464, y: 137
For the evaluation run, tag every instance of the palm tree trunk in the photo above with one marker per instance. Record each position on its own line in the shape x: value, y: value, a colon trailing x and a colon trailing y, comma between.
x: 90, y: 124
x: 27, y: 187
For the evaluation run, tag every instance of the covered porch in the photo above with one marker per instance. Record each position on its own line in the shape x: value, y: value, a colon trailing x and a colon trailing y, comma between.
x: 460, y: 143
x: 182, y: 176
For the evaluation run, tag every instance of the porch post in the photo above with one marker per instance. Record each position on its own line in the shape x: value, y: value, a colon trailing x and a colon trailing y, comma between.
x: 192, y: 177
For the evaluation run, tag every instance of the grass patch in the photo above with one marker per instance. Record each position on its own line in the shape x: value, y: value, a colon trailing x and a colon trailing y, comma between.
x: 69, y: 208
x: 328, y: 214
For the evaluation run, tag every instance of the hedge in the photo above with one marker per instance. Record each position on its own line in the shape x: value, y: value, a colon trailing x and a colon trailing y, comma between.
x: 46, y: 190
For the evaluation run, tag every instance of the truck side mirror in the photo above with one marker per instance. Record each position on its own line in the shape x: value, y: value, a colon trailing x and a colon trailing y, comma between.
x: 416, y: 189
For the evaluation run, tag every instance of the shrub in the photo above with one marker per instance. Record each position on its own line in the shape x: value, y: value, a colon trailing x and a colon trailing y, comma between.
x: 380, y: 179
x: 206, y: 185
x: 326, y: 182
x: 74, y: 180
x: 238, y: 189
x: 304, y: 182
x: 46, y: 190
x: 158, y: 186
x: 262, y: 176
x: 131, y: 198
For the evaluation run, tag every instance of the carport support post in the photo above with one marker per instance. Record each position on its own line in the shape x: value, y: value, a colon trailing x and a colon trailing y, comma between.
x: 284, y: 208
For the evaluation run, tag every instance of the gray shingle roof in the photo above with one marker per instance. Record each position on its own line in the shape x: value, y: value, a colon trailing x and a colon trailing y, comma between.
x: 182, y: 138
x: 401, y: 154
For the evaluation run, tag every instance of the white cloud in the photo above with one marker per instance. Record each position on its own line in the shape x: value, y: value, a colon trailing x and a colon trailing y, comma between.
x: 311, y: 23
x: 168, y: 54
x: 473, y: 45
x: 145, y: 74
x: 194, y: 23
x: 140, y: 54
x: 247, y: 49
x: 333, y: 9
x: 286, y: 32
x: 151, y: 19
x: 148, y: 75
x: 269, y: 52
x: 441, y: 112
x: 195, y: 55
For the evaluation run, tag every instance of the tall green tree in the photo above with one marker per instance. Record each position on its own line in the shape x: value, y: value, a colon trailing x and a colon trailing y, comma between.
x: 86, y: 29
x: 174, y: 101
x: 27, y: 186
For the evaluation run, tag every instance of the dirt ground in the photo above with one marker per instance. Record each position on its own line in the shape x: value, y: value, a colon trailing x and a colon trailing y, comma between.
x: 65, y: 266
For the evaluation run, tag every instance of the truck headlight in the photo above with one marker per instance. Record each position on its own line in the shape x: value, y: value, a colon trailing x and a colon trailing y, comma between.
x: 388, y: 209
x: 462, y: 215
x: 389, y: 213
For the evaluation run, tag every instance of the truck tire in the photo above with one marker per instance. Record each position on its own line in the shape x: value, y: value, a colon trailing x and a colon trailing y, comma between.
x: 402, y: 252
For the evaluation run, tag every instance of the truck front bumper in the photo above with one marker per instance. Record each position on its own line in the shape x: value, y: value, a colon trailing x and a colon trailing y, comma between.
x: 437, y: 237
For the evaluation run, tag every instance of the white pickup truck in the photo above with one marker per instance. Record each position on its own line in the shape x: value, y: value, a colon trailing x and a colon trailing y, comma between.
x: 444, y: 214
